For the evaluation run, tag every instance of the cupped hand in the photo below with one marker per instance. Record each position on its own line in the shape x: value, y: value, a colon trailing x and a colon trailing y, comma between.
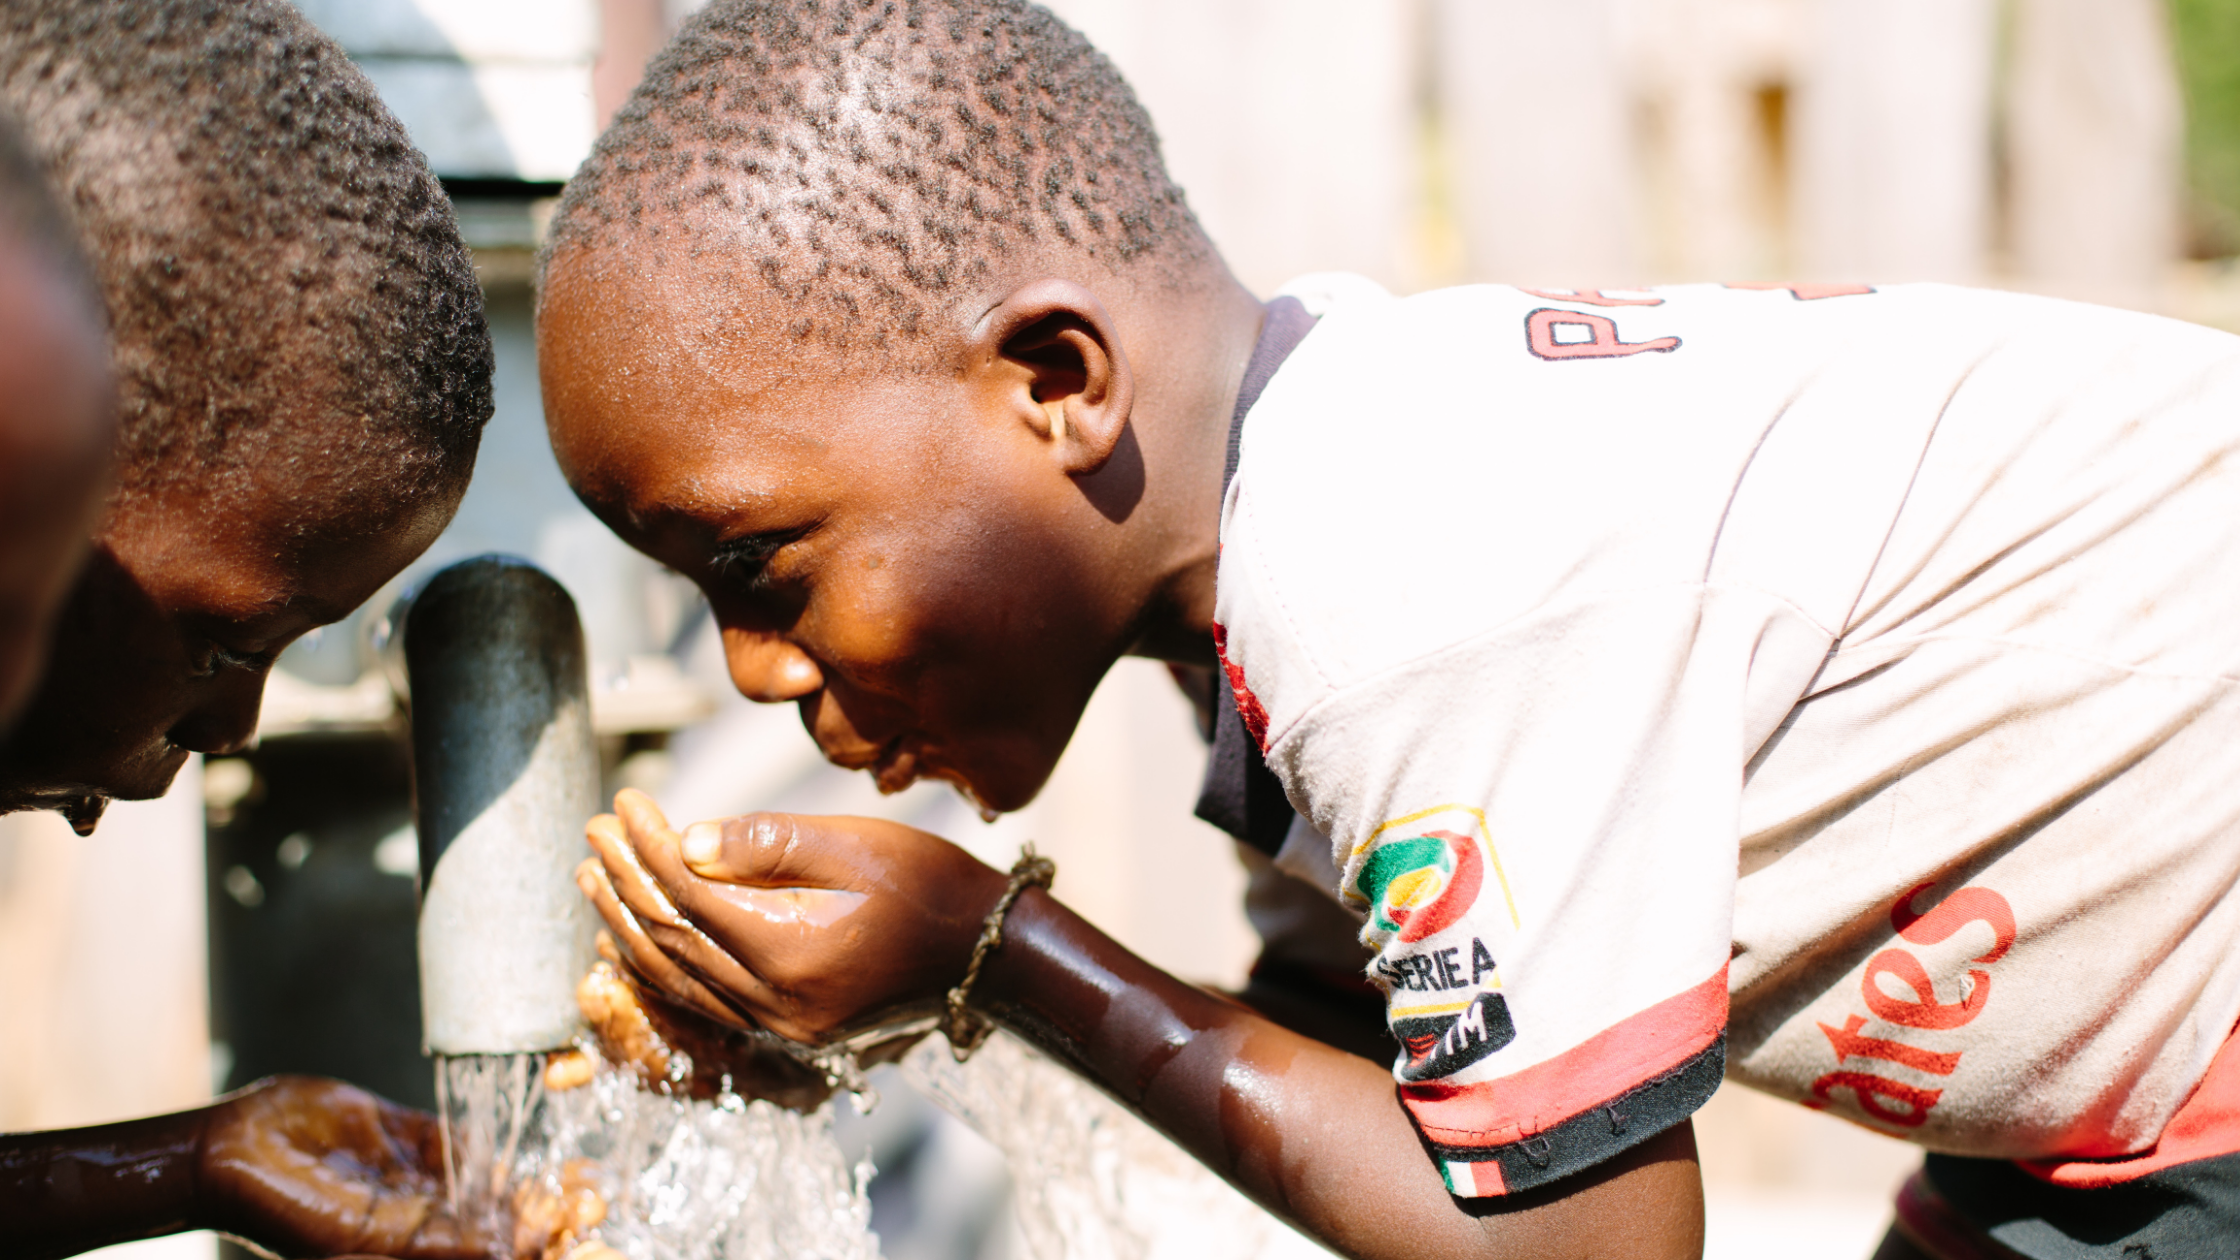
x: 809, y: 927
x: 304, y: 1166
x: 673, y: 1050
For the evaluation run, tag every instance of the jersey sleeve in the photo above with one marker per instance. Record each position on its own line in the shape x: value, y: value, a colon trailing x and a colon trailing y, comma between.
x: 1540, y: 827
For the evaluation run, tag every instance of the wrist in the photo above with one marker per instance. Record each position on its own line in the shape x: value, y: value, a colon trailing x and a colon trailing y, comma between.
x: 1085, y: 999
x: 967, y: 1021
x: 1057, y: 977
x: 1007, y: 979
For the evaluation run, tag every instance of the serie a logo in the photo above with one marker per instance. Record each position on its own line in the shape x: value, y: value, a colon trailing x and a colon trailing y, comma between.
x: 1418, y: 884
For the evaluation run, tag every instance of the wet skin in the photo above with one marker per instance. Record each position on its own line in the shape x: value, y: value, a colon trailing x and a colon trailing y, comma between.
x: 937, y: 561
x: 1312, y: 1133
x: 57, y: 424
x: 301, y: 1166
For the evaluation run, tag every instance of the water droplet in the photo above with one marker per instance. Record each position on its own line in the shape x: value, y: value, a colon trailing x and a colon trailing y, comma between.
x: 85, y: 813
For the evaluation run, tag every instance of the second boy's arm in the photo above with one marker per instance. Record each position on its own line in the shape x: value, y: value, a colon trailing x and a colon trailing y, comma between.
x: 1314, y: 1134
x: 298, y: 1165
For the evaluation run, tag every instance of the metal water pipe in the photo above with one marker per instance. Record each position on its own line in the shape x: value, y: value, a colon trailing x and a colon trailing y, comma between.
x: 505, y: 774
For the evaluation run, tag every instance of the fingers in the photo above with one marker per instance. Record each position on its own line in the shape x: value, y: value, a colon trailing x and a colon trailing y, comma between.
x: 670, y: 953
x: 646, y: 900
x: 643, y: 955
x: 641, y: 819
x: 626, y: 1037
x: 415, y: 1134
x: 733, y: 968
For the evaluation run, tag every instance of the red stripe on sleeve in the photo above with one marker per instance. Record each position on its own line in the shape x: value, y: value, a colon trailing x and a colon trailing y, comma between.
x: 1626, y: 1054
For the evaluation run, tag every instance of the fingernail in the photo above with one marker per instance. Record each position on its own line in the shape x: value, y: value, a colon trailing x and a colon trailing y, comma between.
x: 703, y: 843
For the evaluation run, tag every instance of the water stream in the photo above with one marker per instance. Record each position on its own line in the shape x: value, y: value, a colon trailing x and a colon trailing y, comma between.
x: 608, y: 1167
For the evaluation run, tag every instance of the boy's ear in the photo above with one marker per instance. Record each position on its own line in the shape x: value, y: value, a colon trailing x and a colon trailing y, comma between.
x: 1051, y: 353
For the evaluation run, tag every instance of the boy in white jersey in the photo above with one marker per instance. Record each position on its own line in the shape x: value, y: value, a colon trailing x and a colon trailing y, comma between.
x: 1819, y: 686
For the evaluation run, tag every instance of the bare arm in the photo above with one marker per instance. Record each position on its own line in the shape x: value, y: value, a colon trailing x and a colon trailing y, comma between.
x: 1313, y: 1134
x: 72, y: 1190
x: 300, y: 1165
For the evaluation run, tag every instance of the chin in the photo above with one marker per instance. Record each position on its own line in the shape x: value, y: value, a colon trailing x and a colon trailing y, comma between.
x: 1004, y: 788
x: 141, y: 776
x: 145, y: 777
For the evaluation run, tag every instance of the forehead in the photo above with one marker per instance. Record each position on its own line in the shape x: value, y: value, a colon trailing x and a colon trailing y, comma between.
x: 672, y: 384
x: 253, y: 551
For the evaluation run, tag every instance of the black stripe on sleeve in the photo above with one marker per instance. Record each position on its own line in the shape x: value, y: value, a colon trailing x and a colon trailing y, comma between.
x: 1593, y: 1136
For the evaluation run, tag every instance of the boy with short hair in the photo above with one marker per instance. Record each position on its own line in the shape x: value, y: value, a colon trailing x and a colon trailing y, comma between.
x: 301, y: 379
x: 301, y: 364
x: 1820, y: 686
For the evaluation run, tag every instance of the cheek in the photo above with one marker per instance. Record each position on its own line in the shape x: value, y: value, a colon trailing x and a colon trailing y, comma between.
x: 964, y: 613
x: 983, y: 599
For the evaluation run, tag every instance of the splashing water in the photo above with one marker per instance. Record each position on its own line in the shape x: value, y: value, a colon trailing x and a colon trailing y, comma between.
x: 610, y: 1164
x: 1090, y: 1179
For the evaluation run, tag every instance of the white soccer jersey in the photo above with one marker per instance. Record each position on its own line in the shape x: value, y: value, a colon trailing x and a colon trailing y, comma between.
x: 1824, y: 685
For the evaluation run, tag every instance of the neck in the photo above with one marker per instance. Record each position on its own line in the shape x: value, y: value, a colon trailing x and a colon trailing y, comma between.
x: 1189, y: 371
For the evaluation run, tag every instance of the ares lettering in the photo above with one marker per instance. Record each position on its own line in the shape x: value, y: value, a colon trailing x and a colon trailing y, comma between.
x: 1893, y: 1101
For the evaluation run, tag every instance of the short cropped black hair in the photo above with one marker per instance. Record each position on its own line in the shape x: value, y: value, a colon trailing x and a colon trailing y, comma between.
x: 866, y: 157
x: 265, y: 239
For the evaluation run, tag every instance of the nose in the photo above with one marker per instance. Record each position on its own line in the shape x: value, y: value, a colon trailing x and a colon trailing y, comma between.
x: 224, y: 719
x: 768, y: 670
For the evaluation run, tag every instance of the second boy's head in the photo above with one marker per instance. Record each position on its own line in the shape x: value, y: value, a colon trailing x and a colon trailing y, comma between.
x: 301, y: 364
x: 884, y: 322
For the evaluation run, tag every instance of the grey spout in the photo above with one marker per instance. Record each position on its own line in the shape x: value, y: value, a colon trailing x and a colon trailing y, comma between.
x: 505, y: 774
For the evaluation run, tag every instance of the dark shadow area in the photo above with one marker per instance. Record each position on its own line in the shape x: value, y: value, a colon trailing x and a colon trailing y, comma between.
x: 312, y: 966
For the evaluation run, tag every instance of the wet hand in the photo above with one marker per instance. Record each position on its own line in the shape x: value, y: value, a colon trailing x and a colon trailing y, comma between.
x: 806, y: 926
x: 305, y: 1166
x: 673, y: 1050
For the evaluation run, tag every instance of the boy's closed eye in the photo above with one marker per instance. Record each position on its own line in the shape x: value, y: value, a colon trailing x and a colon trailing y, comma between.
x: 216, y: 657
x: 746, y: 561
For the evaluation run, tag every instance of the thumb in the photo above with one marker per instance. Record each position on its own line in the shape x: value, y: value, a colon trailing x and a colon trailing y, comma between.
x: 773, y: 851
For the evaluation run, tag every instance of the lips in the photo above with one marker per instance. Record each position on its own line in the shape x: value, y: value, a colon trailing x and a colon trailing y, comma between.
x: 905, y: 761
x: 902, y: 760
x: 896, y: 767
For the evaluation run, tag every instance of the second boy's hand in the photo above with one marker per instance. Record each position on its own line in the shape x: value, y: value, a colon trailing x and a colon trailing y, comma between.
x: 1312, y: 1133
x: 299, y: 1165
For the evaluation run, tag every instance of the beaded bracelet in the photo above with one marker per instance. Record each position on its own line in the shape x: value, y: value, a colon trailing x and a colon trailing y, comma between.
x: 968, y: 1028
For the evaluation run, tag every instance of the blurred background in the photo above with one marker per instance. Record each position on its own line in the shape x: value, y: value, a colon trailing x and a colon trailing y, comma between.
x: 260, y: 918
